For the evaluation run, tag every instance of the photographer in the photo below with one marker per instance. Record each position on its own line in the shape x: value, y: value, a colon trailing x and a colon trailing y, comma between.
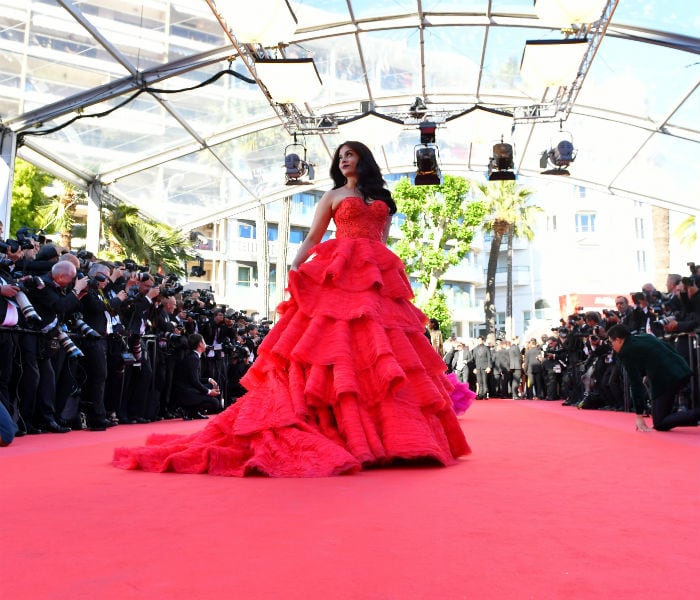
x: 138, y: 313
x: 598, y: 351
x: 100, y: 312
x: 666, y: 372
x: 172, y: 345
x: 215, y: 331
x: 553, y: 366
x: 238, y: 365
x: 10, y: 316
x: 194, y: 394
x: 37, y: 384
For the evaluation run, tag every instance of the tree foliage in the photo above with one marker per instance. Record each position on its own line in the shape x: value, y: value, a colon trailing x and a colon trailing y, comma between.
x: 508, y: 212
x: 131, y: 234
x: 687, y: 232
x: 27, y: 196
x: 440, y: 224
x: 57, y: 214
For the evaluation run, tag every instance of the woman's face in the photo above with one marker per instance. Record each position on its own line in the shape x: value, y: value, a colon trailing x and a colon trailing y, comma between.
x: 347, y: 161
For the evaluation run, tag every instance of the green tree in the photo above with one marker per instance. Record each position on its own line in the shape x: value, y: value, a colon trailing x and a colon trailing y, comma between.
x: 440, y: 224
x: 131, y: 234
x: 58, y: 214
x: 508, y: 213
x: 27, y: 196
x: 686, y: 231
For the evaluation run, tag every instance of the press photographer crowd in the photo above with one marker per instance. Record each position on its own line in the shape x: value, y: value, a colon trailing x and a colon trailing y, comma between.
x: 577, y: 363
x: 89, y: 344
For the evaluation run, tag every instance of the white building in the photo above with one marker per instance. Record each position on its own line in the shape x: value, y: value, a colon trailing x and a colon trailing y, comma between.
x: 588, y: 248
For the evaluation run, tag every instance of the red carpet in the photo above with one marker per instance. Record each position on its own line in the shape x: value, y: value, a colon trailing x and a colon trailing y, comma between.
x: 553, y: 503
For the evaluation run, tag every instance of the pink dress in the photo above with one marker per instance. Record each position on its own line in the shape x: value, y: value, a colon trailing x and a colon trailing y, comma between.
x: 346, y: 379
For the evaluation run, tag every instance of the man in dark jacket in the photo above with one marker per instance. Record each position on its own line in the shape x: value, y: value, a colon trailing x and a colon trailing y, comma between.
x: 666, y: 371
x: 193, y: 393
x: 483, y: 363
x: 37, y: 384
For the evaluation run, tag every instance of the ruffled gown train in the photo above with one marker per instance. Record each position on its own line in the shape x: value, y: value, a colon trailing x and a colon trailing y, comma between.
x: 346, y: 379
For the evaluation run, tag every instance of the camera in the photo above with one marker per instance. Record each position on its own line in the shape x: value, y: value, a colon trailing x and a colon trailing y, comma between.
x: 175, y: 340
x: 60, y: 334
x: 170, y: 291
x: 83, y: 328
x: 131, y: 266
x: 95, y: 281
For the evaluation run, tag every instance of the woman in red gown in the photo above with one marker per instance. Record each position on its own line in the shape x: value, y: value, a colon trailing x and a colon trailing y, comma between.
x: 346, y: 379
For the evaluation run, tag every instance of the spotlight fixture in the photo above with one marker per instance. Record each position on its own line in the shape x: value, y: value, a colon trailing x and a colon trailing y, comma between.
x: 198, y: 270
x: 427, y: 132
x: 418, y: 108
x: 501, y: 163
x: 427, y: 169
x: 559, y: 156
x: 296, y: 165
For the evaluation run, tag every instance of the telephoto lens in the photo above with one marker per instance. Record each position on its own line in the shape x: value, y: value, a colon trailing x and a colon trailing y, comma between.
x: 71, y: 349
x: 85, y: 329
x: 30, y: 315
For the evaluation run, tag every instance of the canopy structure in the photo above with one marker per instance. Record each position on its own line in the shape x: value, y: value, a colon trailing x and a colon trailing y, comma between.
x: 165, y: 103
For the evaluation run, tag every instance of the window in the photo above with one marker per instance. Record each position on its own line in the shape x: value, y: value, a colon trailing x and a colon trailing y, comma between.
x: 552, y: 223
x: 272, y: 282
x: 641, y: 261
x: 244, y: 276
x: 297, y: 235
x: 304, y: 204
x: 272, y: 232
x: 639, y: 228
x: 246, y: 230
x: 585, y: 222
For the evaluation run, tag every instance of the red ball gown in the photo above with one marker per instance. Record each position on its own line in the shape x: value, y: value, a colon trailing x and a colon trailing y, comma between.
x: 346, y: 379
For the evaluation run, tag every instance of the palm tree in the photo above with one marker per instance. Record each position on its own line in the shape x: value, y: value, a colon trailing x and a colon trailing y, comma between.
x: 58, y: 214
x: 508, y: 213
x: 131, y: 234
x: 687, y: 232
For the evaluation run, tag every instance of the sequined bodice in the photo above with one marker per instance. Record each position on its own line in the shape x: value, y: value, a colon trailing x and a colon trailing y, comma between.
x: 356, y: 219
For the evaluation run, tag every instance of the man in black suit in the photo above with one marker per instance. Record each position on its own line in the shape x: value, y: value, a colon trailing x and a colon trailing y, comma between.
x: 515, y: 357
x: 194, y: 394
x: 37, y: 385
x: 666, y: 373
x: 10, y: 316
x: 100, y: 313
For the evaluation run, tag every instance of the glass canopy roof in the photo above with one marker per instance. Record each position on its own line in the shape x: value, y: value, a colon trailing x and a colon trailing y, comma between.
x: 155, y: 100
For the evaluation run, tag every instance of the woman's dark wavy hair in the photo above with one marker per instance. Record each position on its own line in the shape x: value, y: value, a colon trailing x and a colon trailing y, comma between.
x: 370, y: 182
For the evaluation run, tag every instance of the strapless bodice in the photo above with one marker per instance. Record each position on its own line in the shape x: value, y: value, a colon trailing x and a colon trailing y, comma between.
x: 356, y: 219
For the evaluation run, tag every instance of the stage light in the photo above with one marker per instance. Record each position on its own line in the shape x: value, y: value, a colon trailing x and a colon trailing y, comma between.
x: 559, y: 156
x: 427, y: 132
x: 198, y: 270
x: 296, y: 167
x: 501, y: 163
x: 427, y: 169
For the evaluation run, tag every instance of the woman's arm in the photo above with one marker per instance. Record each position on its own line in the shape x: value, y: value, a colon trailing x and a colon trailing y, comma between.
x: 322, y: 217
x: 387, y: 227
